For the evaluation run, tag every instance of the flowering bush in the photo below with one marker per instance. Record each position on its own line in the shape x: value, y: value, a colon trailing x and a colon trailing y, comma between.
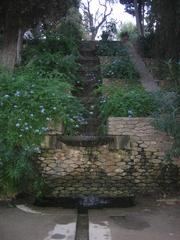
x: 29, y: 100
x: 125, y: 102
x: 121, y: 68
x: 52, y: 55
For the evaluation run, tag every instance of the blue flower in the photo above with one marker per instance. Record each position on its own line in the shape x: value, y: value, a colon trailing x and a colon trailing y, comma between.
x: 44, y: 129
x: 17, y: 94
x: 37, y: 150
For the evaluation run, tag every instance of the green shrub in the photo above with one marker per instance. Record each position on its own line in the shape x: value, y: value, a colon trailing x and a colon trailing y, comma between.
x: 28, y: 102
x: 169, y: 71
x: 36, y: 95
x: 128, y: 29
x: 110, y: 48
x: 121, y: 68
x: 71, y: 27
x: 124, y: 102
x: 145, y: 45
x: 167, y: 118
x: 51, y: 55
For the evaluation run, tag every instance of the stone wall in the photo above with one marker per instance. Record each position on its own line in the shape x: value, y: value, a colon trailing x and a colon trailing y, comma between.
x: 149, y: 148
x: 132, y: 162
x: 79, y: 171
x: 142, y: 133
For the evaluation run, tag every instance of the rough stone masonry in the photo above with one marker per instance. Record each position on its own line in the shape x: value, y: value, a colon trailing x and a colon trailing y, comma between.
x: 133, y: 163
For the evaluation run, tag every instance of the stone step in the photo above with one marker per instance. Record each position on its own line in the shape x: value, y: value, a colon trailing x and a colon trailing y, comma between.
x: 88, y: 46
x: 88, y: 53
x: 89, y: 74
x: 89, y: 61
x: 88, y: 100
x: 89, y: 69
x: 89, y: 58
x: 90, y: 140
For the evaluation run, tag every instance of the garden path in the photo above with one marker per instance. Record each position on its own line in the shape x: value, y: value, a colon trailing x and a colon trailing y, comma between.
x: 149, y: 219
x: 149, y: 83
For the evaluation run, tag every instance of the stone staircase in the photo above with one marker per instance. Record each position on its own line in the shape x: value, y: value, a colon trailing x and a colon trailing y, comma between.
x: 91, y: 78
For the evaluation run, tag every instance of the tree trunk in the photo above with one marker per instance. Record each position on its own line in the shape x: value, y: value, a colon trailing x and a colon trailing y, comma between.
x: 9, y: 48
x: 19, y: 46
x: 93, y: 35
x: 138, y: 18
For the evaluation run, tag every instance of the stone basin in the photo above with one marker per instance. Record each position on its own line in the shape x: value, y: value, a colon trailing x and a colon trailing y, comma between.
x: 85, y: 141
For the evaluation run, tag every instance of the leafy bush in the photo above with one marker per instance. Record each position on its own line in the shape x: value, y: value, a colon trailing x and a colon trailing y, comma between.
x: 167, y: 118
x: 120, y: 65
x: 127, y: 29
x: 52, y: 55
x: 169, y: 71
x: 109, y: 48
x: 121, y: 68
x: 146, y: 45
x: 109, y: 31
x: 28, y: 102
x: 37, y: 95
x: 124, y: 102
x: 71, y: 27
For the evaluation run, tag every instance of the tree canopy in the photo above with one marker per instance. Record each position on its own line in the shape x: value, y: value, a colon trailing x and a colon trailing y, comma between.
x: 166, y: 18
x: 29, y: 11
x: 94, y: 21
x: 17, y: 16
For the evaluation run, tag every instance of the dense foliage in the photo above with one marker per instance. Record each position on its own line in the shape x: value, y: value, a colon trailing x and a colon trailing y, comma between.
x: 127, y: 29
x: 110, y: 48
x: 26, y: 13
x: 16, y: 17
x: 165, y: 15
x: 146, y: 45
x: 36, y: 95
x: 121, y: 68
x: 124, y: 102
x: 119, y: 64
x: 167, y: 118
x: 29, y: 102
x: 163, y: 20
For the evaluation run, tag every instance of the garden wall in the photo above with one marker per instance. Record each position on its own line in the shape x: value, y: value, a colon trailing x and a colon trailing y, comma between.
x: 132, y: 162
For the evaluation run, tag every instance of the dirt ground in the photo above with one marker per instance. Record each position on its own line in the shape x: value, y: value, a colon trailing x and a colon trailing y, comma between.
x: 150, y: 219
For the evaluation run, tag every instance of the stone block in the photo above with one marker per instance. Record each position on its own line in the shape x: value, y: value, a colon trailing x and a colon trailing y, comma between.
x: 55, y: 128
x: 50, y: 142
x: 120, y: 142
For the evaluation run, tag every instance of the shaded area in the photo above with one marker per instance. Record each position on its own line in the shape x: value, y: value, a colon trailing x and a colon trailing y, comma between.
x: 82, y: 226
x: 89, y: 202
x: 130, y: 222
x: 86, y: 141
